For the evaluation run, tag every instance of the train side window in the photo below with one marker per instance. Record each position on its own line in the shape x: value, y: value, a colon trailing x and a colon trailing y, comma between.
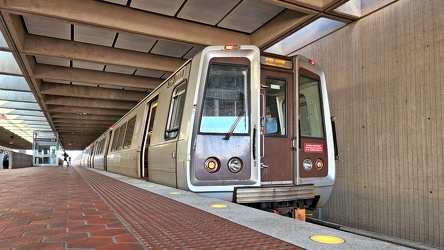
x: 97, y: 149
x: 275, y: 109
x: 115, y: 139
x: 103, y: 147
x: 176, y: 110
x: 100, y: 148
x: 310, y: 108
x: 129, y: 133
x: 121, y: 136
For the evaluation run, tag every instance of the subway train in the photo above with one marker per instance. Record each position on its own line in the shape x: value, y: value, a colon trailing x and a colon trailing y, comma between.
x: 234, y: 124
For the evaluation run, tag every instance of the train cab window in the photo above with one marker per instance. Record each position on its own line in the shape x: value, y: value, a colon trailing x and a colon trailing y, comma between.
x: 176, y: 109
x: 275, y: 107
x: 129, y: 133
x: 226, y: 99
x: 310, y: 109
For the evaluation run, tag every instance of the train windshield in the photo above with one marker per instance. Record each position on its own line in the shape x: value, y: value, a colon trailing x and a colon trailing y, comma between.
x: 225, y: 104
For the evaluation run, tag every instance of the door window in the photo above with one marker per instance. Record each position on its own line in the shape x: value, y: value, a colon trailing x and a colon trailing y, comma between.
x: 275, y: 107
x: 310, y: 109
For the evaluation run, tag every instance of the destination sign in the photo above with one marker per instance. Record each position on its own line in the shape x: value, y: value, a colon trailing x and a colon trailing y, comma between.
x: 276, y: 62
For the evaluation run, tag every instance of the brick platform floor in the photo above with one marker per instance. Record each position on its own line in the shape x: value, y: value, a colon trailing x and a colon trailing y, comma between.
x: 54, y: 208
x: 75, y: 208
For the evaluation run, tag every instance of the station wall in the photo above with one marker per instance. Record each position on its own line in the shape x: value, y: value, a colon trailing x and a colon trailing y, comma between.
x: 385, y: 75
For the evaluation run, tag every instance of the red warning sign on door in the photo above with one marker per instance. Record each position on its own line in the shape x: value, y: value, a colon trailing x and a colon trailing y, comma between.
x: 313, y: 148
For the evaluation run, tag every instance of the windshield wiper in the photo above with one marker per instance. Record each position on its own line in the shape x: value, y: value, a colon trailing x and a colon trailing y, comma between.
x: 233, y: 127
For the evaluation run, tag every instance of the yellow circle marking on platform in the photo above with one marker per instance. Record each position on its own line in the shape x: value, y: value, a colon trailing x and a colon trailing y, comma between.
x: 219, y: 206
x: 175, y: 193
x: 151, y: 186
x: 327, y: 239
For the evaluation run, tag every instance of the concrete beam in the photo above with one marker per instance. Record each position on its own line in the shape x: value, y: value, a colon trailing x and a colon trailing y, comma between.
x: 84, y: 102
x: 82, y: 127
x: 81, y: 130
x: 45, y: 46
x: 77, y: 130
x: 80, y: 140
x: 91, y: 92
x: 66, y: 116
x: 59, y: 121
x: 47, y: 72
x: 87, y: 135
x: 279, y: 27
x: 123, y: 19
x: 88, y: 110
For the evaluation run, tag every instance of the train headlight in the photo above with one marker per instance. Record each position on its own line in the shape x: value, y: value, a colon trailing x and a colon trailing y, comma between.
x: 212, y: 165
x: 319, y: 164
x: 235, y: 165
x: 308, y: 164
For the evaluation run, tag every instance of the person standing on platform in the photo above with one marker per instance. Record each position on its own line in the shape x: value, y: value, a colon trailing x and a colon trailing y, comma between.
x: 65, y: 159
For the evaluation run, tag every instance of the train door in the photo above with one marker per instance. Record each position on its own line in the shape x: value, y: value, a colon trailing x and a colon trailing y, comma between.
x: 149, y: 131
x: 277, y: 92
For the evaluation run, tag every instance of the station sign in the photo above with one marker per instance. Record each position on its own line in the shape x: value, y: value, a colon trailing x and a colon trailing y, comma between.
x: 46, y: 139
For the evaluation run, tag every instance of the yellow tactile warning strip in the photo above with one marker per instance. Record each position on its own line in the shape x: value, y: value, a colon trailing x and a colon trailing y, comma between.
x: 162, y: 223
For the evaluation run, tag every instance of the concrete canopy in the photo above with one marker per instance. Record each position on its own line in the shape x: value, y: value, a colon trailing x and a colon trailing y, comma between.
x: 96, y: 59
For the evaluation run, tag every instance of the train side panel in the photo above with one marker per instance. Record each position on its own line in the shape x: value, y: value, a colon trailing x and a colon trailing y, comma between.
x: 99, y: 159
x: 123, y: 153
x: 173, y: 108
x: 183, y: 144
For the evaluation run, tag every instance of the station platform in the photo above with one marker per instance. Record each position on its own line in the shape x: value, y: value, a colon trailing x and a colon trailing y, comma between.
x: 82, y: 208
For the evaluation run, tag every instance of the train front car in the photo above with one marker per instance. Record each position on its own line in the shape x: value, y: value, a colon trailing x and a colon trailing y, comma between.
x: 297, y: 155
x: 224, y: 146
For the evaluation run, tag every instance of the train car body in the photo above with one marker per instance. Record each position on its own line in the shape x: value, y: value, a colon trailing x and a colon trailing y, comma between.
x: 232, y: 124
x: 99, y: 155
